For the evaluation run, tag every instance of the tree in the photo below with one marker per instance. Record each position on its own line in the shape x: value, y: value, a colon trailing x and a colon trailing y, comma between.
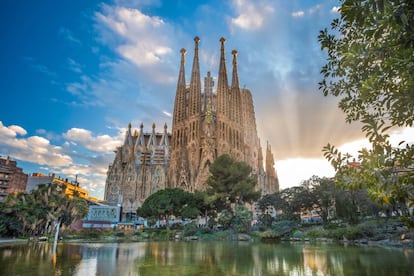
x: 231, y: 182
x: 370, y: 68
x: 36, y: 212
x: 322, y: 191
x: 370, y: 60
x: 290, y: 202
x: 168, y: 202
x: 205, y: 204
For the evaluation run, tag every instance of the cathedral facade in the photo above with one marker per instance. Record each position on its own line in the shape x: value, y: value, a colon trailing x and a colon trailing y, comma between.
x: 139, y: 168
x: 206, y: 124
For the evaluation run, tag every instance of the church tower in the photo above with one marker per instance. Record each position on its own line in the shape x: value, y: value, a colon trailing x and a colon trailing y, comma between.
x: 206, y: 124
x: 209, y: 124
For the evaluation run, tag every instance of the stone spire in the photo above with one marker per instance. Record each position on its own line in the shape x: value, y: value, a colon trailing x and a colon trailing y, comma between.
x: 272, y: 181
x: 222, y: 83
x: 128, y: 136
x: 179, y: 104
x: 164, y: 138
x: 208, y: 91
x: 235, y: 101
x: 141, y: 139
x: 235, y: 78
x: 270, y: 162
x: 195, y: 84
x: 152, y: 141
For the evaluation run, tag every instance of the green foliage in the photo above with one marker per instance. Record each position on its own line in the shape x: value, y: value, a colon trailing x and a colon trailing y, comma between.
x: 231, y: 182
x: 284, y: 227
x: 298, y: 234
x: 168, y: 202
x: 241, y: 222
x: 224, y: 218
x: 162, y: 235
x: 265, y: 220
x: 269, y: 235
x: 33, y: 214
x: 315, y: 233
x: 290, y: 201
x: 355, y: 232
x: 321, y: 195
x: 351, y: 205
x: 370, y: 68
x: 190, y: 229
x: 190, y: 212
x: 370, y: 60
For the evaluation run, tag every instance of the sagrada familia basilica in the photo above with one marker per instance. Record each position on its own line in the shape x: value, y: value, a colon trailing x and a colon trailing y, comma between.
x: 206, y: 124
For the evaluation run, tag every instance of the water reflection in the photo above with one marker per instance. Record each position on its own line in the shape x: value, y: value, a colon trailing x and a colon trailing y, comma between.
x: 203, y: 258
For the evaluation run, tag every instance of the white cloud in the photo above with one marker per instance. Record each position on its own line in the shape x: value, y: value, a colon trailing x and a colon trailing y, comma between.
x: 68, y: 36
x: 335, y: 9
x: 18, y: 130
x: 402, y: 135
x: 34, y: 149
x: 74, y: 66
x: 353, y: 147
x: 63, y: 160
x: 167, y: 113
x: 315, y: 9
x: 100, y: 143
x: 131, y: 26
x: 10, y: 131
x: 405, y: 135
x: 298, y: 14
x: 292, y: 172
x: 252, y: 15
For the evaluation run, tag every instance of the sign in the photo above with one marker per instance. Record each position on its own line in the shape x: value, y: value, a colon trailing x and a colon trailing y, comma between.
x: 104, y: 213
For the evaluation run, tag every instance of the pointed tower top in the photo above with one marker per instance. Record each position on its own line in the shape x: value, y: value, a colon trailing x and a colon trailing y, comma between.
x: 195, y: 83
x: 181, y: 76
x: 235, y: 79
x: 128, y: 136
x: 153, y: 126
x: 135, y: 133
x: 222, y: 84
x: 164, y: 137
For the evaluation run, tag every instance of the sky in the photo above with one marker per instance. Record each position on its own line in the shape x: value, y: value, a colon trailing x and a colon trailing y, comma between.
x: 74, y: 74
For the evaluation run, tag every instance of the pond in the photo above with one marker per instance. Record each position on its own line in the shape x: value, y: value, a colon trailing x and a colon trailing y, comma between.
x: 203, y: 258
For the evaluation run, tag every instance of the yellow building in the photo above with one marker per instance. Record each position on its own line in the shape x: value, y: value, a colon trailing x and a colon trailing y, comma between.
x: 69, y: 188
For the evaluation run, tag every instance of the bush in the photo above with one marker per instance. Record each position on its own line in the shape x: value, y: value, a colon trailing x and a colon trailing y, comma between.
x: 315, y: 233
x: 283, y: 227
x: 338, y: 233
x: 190, y: 229
x: 241, y: 222
x: 269, y: 235
x: 298, y: 234
x: 353, y: 232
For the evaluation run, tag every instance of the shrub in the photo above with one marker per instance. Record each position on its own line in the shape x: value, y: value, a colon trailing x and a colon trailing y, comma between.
x: 242, y: 220
x: 315, y: 233
x: 337, y: 233
x: 283, y: 227
x: 298, y: 234
x: 269, y: 235
x: 190, y: 229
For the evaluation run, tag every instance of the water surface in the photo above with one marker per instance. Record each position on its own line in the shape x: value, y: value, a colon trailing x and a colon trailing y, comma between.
x: 203, y: 258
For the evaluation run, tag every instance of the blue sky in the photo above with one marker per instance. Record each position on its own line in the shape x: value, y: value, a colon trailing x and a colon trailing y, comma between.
x: 75, y: 73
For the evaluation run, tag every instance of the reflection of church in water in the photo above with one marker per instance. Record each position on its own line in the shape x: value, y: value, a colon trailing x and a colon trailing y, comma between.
x: 206, y: 124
